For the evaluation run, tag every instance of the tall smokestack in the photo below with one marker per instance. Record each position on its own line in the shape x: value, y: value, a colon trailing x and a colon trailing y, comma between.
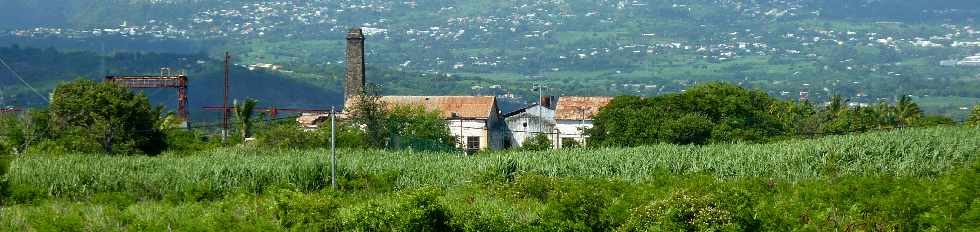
x: 355, y: 63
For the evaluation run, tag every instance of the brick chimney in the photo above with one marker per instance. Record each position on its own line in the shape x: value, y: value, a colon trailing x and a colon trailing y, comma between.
x: 355, y: 63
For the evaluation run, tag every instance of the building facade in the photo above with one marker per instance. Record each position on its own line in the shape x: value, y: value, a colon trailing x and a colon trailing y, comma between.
x: 474, y: 120
x: 574, y: 115
x: 565, y: 123
x: 530, y: 121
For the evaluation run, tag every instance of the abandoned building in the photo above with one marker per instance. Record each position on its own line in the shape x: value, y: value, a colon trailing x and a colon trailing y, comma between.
x: 527, y: 122
x: 476, y: 121
x: 574, y: 115
x: 563, y: 119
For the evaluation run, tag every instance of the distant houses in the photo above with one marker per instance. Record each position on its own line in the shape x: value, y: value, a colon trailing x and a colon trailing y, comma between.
x: 969, y: 61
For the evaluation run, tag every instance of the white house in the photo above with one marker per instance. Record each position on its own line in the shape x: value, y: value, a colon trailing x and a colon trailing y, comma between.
x: 474, y: 120
x: 564, y: 123
x: 969, y: 61
x: 527, y: 122
x: 574, y: 115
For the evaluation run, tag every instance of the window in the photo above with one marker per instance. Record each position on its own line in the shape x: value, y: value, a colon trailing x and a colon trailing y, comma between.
x: 472, y: 144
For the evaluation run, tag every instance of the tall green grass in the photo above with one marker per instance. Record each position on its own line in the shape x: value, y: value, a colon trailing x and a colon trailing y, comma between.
x: 902, y: 153
x: 531, y: 202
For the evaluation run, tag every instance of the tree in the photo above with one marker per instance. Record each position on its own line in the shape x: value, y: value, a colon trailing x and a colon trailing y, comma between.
x: 243, y: 116
x: 934, y: 120
x: 86, y: 116
x: 540, y: 142
x: 713, y: 112
x: 12, y: 136
x: 415, y: 127
x: 907, y: 111
x: 369, y: 111
x: 974, y: 119
x: 837, y: 104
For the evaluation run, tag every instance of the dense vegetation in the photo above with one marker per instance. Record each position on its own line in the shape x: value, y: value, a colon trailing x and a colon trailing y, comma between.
x: 754, y: 167
x: 905, y: 180
x: 720, y: 112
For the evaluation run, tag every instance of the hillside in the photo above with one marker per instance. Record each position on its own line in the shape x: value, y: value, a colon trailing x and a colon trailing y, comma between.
x: 867, y: 51
x: 312, y: 87
x: 45, y: 68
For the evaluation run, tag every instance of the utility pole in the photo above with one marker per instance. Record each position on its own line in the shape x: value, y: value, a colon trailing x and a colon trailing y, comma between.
x: 226, y: 111
x: 581, y: 125
x: 540, y: 126
x: 333, y: 148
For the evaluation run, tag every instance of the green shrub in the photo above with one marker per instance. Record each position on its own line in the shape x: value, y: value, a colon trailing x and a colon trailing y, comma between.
x: 416, y: 210
x: 481, y: 220
x: 934, y: 120
x: 306, y: 212
x: 974, y: 118
x: 533, y: 186
x: 539, y: 142
x: 290, y: 136
x: 4, y: 165
x: 186, y: 142
x: 694, y: 211
x: 580, y: 206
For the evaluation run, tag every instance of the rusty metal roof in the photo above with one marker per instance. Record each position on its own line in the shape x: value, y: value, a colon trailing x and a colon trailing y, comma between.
x: 461, y: 106
x: 312, y: 119
x: 579, y: 108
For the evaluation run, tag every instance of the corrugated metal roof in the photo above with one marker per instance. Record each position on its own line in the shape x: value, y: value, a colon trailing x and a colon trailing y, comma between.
x: 579, y: 108
x: 462, y: 106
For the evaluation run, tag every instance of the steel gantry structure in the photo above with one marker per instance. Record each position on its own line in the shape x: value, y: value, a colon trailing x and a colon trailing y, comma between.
x: 165, y: 80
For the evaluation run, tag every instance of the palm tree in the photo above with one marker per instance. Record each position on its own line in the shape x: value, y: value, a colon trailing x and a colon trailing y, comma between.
x: 907, y: 111
x: 974, y: 119
x: 243, y: 115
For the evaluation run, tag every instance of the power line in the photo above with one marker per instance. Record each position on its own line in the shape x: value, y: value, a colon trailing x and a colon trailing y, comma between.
x: 38, y: 93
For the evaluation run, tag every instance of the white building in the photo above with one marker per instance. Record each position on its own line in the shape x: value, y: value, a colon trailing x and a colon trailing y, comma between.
x: 474, y: 120
x: 574, y: 115
x: 969, y: 61
x: 564, y: 123
x: 530, y: 121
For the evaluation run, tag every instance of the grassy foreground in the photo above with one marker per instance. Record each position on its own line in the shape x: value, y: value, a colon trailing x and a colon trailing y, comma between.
x: 908, y: 180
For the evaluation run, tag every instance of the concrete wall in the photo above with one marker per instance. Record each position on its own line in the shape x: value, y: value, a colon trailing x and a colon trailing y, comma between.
x: 573, y: 129
x: 461, y: 129
x: 534, y: 125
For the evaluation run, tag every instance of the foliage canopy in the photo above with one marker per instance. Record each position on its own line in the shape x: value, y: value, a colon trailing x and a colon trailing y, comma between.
x: 86, y: 116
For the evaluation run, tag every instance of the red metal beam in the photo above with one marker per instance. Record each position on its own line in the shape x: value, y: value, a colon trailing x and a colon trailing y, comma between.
x: 10, y: 110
